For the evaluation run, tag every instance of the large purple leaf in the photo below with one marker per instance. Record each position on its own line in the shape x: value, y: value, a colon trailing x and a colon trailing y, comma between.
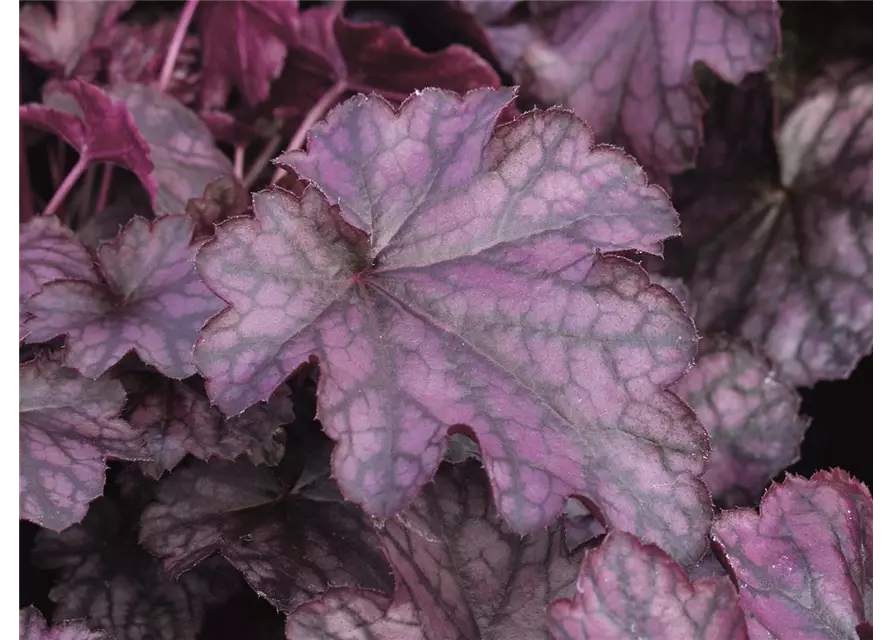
x: 244, y: 43
x: 184, y: 153
x: 103, y: 576
x: 804, y: 562
x: 68, y: 426
x: 288, y: 547
x: 429, y: 321
x: 627, y: 589
x: 99, y: 127
x: 57, y: 42
x: 178, y: 420
x: 627, y: 67
x: 32, y: 626
x: 150, y: 300
x: 461, y: 573
x: 48, y: 250
x: 752, y: 419
x: 785, y: 260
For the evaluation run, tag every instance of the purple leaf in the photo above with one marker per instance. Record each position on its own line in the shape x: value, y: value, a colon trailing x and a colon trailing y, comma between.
x: 183, y: 150
x: 461, y: 573
x: 627, y: 589
x: 580, y: 525
x: 103, y: 576
x: 68, y: 426
x: 785, y: 261
x: 428, y: 322
x: 804, y: 562
x: 100, y: 128
x: 244, y: 43
x: 149, y: 300
x: 32, y: 626
x: 223, y: 198
x: 626, y: 68
x: 752, y: 419
x: 179, y: 421
x: 57, y: 43
x: 48, y: 250
x: 289, y: 548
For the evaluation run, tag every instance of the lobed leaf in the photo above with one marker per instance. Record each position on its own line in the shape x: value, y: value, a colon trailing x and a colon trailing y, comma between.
x: 223, y: 198
x: 68, y: 426
x: 32, y: 626
x: 752, y: 419
x: 804, y: 562
x: 438, y: 294
x: 101, y: 129
x: 149, y: 300
x: 178, y: 421
x: 627, y: 589
x: 626, y: 68
x: 289, y: 548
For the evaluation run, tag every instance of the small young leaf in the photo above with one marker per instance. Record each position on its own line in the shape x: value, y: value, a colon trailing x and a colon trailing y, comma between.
x: 461, y: 573
x: 627, y: 67
x: 149, y: 300
x: 627, y: 589
x: 244, y: 43
x: 804, y: 562
x: 57, y: 43
x: 48, y: 250
x: 752, y: 419
x: 68, y: 426
x: 177, y: 421
x: 100, y: 128
x: 289, y: 548
x: 223, y: 198
x: 32, y: 626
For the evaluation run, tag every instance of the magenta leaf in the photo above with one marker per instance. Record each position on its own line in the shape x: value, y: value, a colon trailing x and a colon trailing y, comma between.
x: 427, y: 322
x: 150, y: 300
x: 627, y: 589
x: 57, y: 42
x: 97, y: 125
x: 244, y: 43
x: 48, y: 250
x: 461, y: 573
x: 288, y: 547
x: 752, y: 419
x: 32, y: 626
x: 178, y: 420
x: 184, y: 153
x: 804, y: 562
x: 785, y: 260
x: 68, y: 426
x: 103, y: 576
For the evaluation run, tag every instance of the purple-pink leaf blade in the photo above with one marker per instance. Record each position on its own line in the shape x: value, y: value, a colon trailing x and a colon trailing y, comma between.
x: 32, y: 626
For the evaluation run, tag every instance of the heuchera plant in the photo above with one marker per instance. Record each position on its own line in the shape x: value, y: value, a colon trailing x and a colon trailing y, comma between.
x: 373, y: 320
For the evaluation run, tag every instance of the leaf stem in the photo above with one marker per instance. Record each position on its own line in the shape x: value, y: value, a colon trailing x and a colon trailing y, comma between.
x: 173, y: 49
x: 239, y: 161
x: 26, y: 200
x: 104, y: 186
x: 322, y: 105
x: 76, y: 171
x: 260, y: 162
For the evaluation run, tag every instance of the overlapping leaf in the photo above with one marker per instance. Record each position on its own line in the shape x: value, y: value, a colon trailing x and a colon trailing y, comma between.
x: 178, y: 420
x: 452, y: 311
x: 752, y: 419
x: 57, y: 42
x: 461, y: 573
x: 223, y: 198
x: 785, y: 260
x: 68, y: 426
x: 149, y: 300
x: 627, y: 67
x: 48, y: 250
x: 288, y: 547
x: 32, y: 626
x: 183, y: 151
x: 804, y: 562
x: 627, y: 589
x: 99, y: 127
x: 244, y: 43
x: 104, y: 577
